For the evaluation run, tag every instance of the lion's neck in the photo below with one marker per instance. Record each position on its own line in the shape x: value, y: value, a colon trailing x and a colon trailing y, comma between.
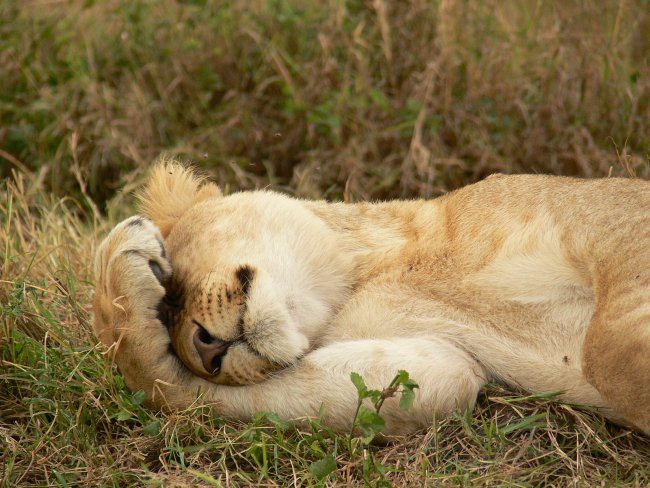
x: 375, y: 234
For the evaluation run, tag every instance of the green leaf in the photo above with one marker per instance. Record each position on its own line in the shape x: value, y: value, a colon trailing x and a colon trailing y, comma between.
x: 152, y: 428
x: 406, y: 401
x: 370, y: 424
x: 62, y: 481
x: 380, y: 467
x: 138, y: 397
x: 272, y: 418
x: 401, y: 378
x: 527, y: 423
x: 362, y: 389
x: 410, y: 384
x: 124, y: 415
x: 323, y: 467
x: 374, y: 395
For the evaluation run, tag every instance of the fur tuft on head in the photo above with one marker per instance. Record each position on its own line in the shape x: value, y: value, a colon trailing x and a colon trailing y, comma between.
x: 171, y: 189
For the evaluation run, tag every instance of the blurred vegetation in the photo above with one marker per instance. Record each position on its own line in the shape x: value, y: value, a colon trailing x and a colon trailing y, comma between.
x: 343, y: 99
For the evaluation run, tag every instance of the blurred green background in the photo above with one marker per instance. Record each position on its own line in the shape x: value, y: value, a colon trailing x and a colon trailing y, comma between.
x: 342, y: 99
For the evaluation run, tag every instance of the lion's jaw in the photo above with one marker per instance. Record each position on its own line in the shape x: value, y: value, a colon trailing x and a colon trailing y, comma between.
x: 296, y: 279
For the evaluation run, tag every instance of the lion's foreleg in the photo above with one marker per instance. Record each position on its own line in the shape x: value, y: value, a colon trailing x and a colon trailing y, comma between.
x: 448, y: 380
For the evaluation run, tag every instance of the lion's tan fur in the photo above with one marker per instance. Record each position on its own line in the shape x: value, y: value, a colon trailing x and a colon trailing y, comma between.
x: 540, y: 282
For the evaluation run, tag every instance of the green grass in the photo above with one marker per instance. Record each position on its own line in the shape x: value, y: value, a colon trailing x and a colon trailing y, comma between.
x: 344, y: 100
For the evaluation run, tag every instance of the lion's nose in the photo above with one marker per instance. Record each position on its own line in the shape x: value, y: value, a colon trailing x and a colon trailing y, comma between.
x: 210, y: 349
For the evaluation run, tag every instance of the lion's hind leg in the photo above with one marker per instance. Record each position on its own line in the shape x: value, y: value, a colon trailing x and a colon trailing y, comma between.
x: 616, y: 352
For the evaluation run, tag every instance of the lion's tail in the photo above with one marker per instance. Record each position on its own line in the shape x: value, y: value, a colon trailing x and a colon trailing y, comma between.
x: 171, y: 189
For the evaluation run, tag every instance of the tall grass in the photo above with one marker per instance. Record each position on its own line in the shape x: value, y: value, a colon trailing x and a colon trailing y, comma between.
x: 338, y: 99
x: 344, y: 99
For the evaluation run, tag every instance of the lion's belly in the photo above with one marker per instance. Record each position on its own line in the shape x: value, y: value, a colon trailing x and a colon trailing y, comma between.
x: 553, y: 330
x: 536, y: 346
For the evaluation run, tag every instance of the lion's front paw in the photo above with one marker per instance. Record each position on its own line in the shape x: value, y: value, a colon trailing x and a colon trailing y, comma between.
x: 131, y: 268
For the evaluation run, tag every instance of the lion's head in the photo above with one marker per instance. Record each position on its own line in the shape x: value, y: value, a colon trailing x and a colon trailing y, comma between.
x: 255, y: 276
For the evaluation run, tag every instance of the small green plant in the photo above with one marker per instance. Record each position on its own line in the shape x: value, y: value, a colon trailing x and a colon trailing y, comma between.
x: 370, y: 423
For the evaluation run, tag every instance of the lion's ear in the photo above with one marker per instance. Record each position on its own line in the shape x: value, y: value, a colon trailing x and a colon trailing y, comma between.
x: 171, y: 189
x: 207, y: 190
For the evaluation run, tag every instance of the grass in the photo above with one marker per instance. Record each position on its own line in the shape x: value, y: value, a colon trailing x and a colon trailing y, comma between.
x: 344, y: 100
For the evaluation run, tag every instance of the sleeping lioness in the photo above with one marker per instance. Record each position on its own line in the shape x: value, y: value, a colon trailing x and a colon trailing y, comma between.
x: 258, y: 301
